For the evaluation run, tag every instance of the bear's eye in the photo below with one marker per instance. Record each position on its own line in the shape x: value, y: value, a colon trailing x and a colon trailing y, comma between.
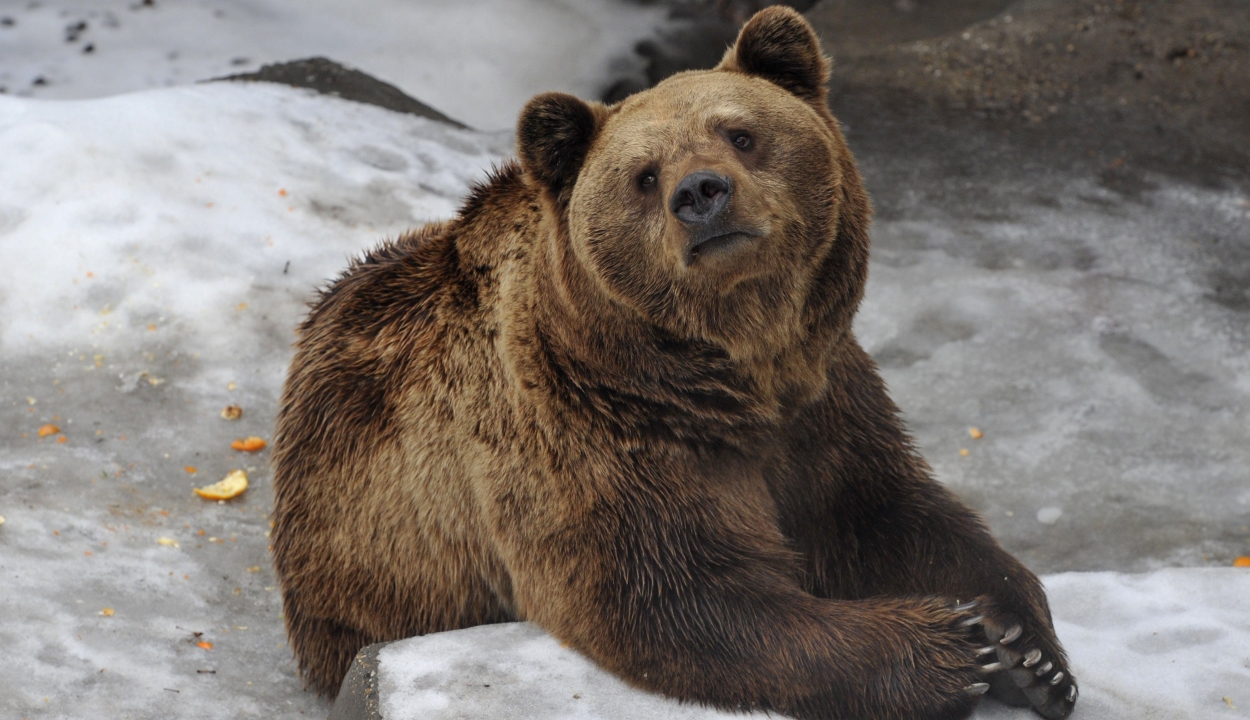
x: 742, y: 140
x: 647, y: 180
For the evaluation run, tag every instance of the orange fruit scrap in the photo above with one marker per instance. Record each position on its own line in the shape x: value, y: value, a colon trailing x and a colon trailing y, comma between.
x: 204, y: 644
x: 48, y: 429
x: 191, y: 469
x: 252, y: 444
x: 231, y: 412
x: 230, y: 486
x: 975, y: 434
x: 107, y: 612
x: 62, y: 439
x: 1242, y: 561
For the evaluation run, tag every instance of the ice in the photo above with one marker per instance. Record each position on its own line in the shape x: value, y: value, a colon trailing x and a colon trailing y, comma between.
x: 1171, y: 644
x: 475, y: 60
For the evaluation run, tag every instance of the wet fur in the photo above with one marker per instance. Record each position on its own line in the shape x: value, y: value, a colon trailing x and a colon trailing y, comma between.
x: 501, y: 418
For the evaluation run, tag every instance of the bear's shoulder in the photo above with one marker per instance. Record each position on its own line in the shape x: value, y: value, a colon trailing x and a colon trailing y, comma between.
x: 433, y: 270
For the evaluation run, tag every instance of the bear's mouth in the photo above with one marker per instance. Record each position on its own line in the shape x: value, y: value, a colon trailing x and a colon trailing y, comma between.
x: 717, y: 244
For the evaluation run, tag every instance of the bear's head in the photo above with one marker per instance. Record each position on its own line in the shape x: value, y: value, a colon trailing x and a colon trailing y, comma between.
x: 721, y: 205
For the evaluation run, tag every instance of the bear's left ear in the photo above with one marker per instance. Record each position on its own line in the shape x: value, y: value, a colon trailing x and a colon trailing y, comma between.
x: 554, y: 134
x: 779, y: 45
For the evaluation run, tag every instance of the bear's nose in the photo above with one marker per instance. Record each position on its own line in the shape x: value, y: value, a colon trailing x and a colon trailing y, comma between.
x: 701, y: 196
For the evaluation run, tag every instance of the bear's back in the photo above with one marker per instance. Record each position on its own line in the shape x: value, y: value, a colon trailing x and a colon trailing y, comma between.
x: 394, y: 390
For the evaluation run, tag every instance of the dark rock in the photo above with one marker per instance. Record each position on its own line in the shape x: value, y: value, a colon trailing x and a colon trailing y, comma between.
x: 696, y: 40
x: 358, y: 696
x: 330, y: 78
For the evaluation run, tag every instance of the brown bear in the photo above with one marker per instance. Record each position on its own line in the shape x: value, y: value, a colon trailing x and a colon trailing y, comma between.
x: 619, y: 397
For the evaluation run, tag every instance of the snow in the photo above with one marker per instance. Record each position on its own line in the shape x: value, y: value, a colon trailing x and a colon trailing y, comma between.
x: 1171, y: 644
x: 177, y: 202
x: 504, y: 50
x: 1080, y: 328
x: 158, y: 251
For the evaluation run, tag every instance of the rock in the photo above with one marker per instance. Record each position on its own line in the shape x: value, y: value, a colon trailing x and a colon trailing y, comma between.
x: 330, y: 78
x: 510, y: 670
x: 1164, y: 644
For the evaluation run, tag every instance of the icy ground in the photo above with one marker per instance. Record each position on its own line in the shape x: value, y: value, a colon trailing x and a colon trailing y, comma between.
x: 476, y: 60
x: 1171, y: 645
x: 156, y: 250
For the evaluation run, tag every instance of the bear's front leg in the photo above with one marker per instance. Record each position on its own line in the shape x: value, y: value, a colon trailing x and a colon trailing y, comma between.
x: 682, y: 586
x: 913, y: 537
x: 860, y: 506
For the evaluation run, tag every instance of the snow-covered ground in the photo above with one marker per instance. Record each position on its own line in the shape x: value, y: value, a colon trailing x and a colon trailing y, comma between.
x: 157, y: 251
x: 1171, y: 645
x: 475, y: 60
x: 158, y: 248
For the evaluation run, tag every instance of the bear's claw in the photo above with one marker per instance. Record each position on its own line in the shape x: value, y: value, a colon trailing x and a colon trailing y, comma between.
x: 976, y: 689
x: 1012, y: 635
x: 1034, y: 679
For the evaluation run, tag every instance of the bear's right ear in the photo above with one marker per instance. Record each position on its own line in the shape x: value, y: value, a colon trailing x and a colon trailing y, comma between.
x: 554, y: 134
x: 779, y: 45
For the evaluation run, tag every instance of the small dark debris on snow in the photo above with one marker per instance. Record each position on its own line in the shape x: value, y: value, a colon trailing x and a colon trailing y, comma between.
x: 88, y: 48
x: 75, y: 30
x: 239, y: 61
x: 7, y: 21
x: 330, y: 78
x: 40, y: 81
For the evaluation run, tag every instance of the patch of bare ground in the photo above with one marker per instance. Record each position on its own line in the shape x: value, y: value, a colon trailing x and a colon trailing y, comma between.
x: 1166, y: 82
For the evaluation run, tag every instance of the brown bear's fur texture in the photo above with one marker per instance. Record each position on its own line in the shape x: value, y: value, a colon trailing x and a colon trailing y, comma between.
x: 607, y: 407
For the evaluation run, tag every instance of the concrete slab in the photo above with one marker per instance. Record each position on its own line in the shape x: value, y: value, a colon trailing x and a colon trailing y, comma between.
x: 1171, y: 644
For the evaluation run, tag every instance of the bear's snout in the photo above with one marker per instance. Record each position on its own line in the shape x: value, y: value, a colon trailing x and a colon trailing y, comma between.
x: 700, y: 197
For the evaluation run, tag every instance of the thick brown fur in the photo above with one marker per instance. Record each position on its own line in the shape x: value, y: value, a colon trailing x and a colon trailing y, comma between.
x: 554, y: 408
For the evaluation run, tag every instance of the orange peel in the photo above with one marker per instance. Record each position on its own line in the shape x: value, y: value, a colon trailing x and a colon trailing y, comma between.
x: 251, y: 444
x: 230, y: 486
